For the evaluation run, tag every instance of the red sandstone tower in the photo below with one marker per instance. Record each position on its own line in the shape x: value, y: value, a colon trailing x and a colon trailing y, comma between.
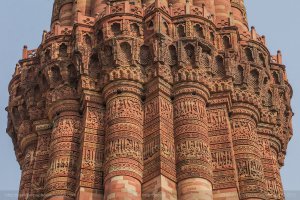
x: 150, y: 99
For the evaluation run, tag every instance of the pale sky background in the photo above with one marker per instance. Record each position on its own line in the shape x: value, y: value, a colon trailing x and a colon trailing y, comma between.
x: 22, y: 22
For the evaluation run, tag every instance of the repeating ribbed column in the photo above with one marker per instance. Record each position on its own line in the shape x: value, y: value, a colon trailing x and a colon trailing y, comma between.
x: 138, y: 105
x: 159, y: 181
x: 239, y: 14
x: 123, y: 140
x: 43, y: 129
x: 276, y: 168
x: 193, y: 156
x: 222, y: 10
x: 92, y: 148
x: 269, y: 166
x: 27, y: 145
x: 83, y: 6
x: 64, y: 151
x: 223, y: 161
x: 27, y: 164
x: 65, y: 14
x: 247, y: 152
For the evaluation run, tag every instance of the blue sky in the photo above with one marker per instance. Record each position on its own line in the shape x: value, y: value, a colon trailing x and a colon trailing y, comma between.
x: 22, y: 22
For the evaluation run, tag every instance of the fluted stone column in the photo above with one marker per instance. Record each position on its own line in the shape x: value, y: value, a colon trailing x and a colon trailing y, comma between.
x: 247, y: 152
x: 43, y: 129
x: 239, y: 14
x: 221, y: 146
x: 27, y: 145
x: 159, y: 178
x: 123, y: 140
x: 66, y: 15
x: 62, y: 12
x: 222, y: 10
x: 92, y: 148
x: 193, y: 156
x: 83, y: 6
x: 64, y: 151
x: 269, y: 148
x: 276, y: 168
x: 26, y: 176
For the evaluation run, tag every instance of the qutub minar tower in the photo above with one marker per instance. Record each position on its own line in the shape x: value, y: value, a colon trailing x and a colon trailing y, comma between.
x: 151, y: 99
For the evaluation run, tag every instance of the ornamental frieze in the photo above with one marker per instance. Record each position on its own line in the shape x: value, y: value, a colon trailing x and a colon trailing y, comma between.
x: 146, y: 99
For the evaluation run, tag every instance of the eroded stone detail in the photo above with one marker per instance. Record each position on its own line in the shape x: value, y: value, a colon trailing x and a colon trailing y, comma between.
x: 168, y: 99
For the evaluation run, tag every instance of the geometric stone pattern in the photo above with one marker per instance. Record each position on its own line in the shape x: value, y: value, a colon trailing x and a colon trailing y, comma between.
x: 152, y: 100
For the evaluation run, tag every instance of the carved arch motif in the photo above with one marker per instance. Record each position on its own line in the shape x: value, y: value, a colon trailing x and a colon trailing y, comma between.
x: 212, y: 36
x: 44, y: 83
x: 107, y: 55
x: 72, y: 75
x: 239, y: 75
x: 254, y: 79
x: 219, y: 67
x: 180, y: 30
x: 135, y: 30
x: 125, y: 54
x: 276, y: 78
x: 94, y: 67
x: 56, y: 77
x: 172, y: 56
x: 87, y: 39
x: 226, y: 42
x: 63, y: 50
x: 116, y: 29
x: 100, y: 36
x: 249, y: 54
x: 145, y: 55
x: 199, y: 32
x: 47, y: 55
x: 189, y: 55
x: 150, y: 25
x: 37, y: 93
x: 165, y: 28
x: 268, y: 99
x: 262, y: 60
